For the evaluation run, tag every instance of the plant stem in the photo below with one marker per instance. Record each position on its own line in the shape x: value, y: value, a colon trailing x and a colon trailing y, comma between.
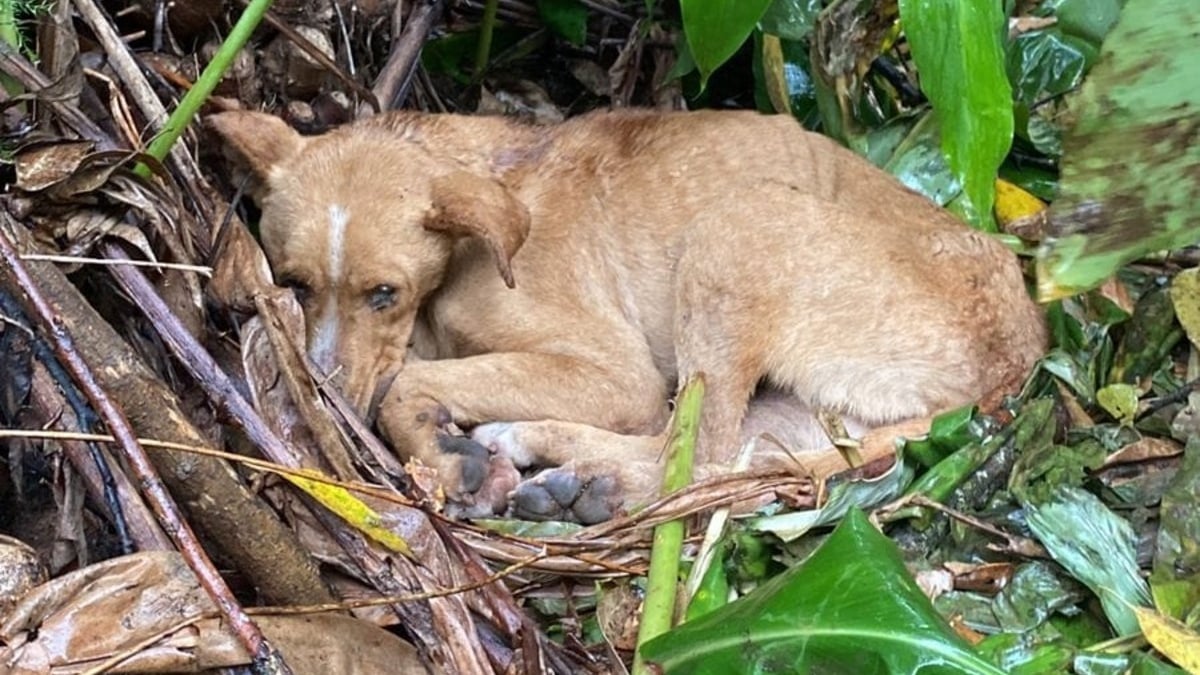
x: 662, y: 580
x: 12, y: 36
x: 487, y: 26
x: 208, y: 80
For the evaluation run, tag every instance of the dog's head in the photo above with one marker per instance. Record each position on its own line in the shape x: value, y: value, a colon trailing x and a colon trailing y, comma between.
x: 361, y: 224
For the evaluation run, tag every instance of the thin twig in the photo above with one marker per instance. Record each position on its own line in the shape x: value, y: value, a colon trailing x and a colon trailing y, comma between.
x: 391, y: 87
x: 71, y: 259
x: 156, y: 493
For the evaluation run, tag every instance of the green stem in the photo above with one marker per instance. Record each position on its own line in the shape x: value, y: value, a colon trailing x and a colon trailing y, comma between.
x: 12, y: 36
x: 487, y: 26
x: 662, y: 580
x: 208, y: 80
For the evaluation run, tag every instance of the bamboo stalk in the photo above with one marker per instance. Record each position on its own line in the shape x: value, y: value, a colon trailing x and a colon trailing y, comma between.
x: 662, y: 579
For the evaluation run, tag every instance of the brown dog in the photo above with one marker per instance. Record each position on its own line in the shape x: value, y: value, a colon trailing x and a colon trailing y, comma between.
x: 558, y: 282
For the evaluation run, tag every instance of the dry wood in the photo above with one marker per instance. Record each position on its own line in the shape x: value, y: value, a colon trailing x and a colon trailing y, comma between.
x: 218, y: 503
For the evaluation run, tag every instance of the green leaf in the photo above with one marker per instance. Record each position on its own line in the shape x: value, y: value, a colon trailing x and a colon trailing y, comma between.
x: 1130, y: 163
x: 715, y: 29
x: 851, y: 608
x: 1120, y: 401
x: 713, y: 591
x: 791, y: 19
x: 567, y: 18
x: 1096, y: 547
x: 958, y: 51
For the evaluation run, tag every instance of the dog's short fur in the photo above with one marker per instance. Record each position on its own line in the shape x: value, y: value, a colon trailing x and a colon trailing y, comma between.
x: 557, y: 283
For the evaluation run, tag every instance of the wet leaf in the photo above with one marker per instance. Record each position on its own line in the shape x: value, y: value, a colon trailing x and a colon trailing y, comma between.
x: 1044, y: 64
x: 1096, y: 547
x: 1035, y: 594
x: 851, y: 608
x: 958, y: 52
x: 1152, y: 334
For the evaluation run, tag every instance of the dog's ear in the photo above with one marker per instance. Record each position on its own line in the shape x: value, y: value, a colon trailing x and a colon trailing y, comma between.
x: 465, y: 204
x: 256, y: 142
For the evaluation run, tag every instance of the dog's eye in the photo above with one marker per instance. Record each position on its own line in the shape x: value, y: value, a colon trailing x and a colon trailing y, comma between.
x: 382, y: 297
x: 302, y: 290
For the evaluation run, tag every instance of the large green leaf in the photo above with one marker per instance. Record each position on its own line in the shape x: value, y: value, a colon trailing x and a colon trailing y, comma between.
x: 958, y: 51
x: 715, y: 29
x: 850, y: 608
x: 1131, y: 163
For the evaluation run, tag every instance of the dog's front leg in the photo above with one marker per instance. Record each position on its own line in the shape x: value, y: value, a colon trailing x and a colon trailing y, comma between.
x: 506, y: 387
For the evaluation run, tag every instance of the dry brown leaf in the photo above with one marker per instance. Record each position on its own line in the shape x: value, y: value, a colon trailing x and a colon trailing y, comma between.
x: 84, y: 618
x: 42, y: 165
x: 1143, y: 449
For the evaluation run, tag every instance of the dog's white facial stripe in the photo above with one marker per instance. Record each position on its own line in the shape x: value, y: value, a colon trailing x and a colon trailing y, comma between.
x: 338, y: 217
x: 323, y: 350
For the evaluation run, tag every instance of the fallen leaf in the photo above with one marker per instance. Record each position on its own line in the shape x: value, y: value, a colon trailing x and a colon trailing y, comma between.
x: 1174, y: 639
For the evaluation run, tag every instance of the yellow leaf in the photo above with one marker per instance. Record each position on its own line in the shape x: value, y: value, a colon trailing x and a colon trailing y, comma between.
x: 1170, y: 637
x: 1185, y: 295
x: 1014, y: 206
x: 350, y: 509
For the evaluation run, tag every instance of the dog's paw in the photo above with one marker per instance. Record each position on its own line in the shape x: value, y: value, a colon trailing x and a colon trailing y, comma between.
x: 565, y: 493
x: 484, y: 478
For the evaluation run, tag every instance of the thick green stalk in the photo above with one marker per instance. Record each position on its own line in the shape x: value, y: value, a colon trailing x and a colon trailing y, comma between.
x: 487, y: 26
x: 662, y: 580
x: 208, y: 80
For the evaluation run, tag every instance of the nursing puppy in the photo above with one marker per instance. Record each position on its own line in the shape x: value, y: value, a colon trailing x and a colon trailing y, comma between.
x: 557, y: 283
